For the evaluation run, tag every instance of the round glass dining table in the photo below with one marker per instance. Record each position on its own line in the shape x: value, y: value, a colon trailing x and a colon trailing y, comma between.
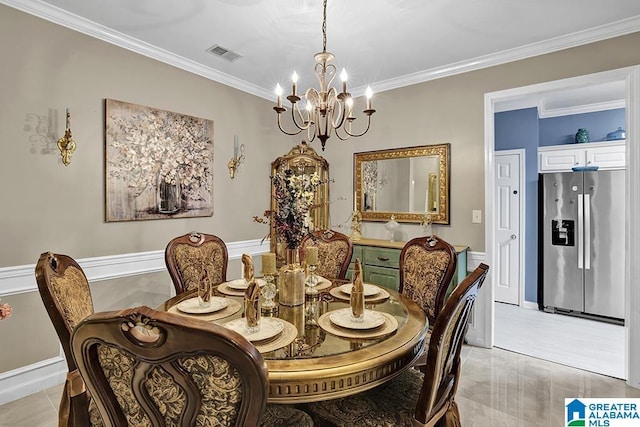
x: 319, y: 360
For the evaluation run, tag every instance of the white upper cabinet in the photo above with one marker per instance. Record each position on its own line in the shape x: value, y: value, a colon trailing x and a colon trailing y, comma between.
x: 562, y: 158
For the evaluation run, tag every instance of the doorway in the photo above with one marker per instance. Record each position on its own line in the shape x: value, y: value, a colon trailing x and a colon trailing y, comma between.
x: 482, y: 331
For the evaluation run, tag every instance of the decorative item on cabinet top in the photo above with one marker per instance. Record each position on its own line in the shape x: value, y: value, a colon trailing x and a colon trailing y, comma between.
x: 616, y: 134
x: 582, y: 136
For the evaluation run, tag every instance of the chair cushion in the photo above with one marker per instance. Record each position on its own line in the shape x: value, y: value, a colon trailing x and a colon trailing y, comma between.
x: 285, y: 416
x: 423, y: 272
x: 391, y: 404
x: 73, y: 293
x: 192, y: 261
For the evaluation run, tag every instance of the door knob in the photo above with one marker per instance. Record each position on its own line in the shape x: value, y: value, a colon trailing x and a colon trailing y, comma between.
x: 514, y: 237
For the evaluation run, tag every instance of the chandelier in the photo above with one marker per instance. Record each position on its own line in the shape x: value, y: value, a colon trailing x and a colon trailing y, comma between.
x: 325, y: 110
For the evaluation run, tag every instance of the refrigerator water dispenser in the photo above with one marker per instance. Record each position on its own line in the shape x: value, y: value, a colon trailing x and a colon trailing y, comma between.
x: 563, y: 232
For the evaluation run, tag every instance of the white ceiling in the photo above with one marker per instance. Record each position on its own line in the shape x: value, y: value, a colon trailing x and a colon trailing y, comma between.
x: 382, y: 43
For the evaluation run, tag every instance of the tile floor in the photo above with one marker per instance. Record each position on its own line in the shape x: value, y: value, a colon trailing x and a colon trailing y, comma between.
x: 497, y: 388
x: 581, y: 343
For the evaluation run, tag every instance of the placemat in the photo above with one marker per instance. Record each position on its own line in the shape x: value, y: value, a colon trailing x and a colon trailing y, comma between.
x: 381, y: 296
x: 390, y: 325
x: 286, y: 337
x: 232, y: 308
x: 224, y: 288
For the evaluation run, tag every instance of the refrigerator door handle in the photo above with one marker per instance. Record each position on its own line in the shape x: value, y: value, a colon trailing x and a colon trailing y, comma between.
x: 587, y: 231
x: 580, y: 231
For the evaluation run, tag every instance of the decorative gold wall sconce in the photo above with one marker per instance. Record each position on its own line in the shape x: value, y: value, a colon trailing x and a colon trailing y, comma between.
x: 66, y: 145
x: 238, y: 157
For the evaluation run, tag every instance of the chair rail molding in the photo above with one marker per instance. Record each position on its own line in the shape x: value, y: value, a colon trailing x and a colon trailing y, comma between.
x: 21, y: 279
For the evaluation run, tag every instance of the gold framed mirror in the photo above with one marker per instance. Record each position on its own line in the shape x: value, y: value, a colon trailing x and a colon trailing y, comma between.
x: 404, y: 182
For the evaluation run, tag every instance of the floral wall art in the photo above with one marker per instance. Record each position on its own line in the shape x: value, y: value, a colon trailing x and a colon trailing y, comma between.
x: 159, y: 164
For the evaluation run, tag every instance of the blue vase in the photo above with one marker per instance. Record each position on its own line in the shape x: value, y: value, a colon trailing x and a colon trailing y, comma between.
x: 616, y: 134
x: 582, y: 136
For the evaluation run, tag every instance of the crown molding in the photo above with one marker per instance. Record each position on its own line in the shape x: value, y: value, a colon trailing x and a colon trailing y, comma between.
x: 603, y: 32
x: 545, y: 113
x: 82, y: 25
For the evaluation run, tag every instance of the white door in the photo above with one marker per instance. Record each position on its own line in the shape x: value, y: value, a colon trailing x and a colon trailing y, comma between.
x: 508, y: 249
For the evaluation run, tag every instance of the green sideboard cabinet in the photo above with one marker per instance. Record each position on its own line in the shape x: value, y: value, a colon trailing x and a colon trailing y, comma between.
x: 381, y: 262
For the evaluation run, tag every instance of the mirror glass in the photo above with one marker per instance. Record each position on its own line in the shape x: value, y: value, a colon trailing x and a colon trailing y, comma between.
x: 407, y: 183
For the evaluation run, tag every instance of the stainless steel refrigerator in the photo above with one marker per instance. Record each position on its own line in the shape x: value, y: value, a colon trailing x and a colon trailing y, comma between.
x: 583, y: 238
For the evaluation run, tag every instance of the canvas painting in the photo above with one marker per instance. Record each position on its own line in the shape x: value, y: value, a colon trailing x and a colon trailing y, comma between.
x: 159, y: 164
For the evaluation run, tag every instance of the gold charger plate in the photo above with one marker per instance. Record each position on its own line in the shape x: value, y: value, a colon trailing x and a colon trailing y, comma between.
x: 241, y: 285
x: 368, y: 289
x: 342, y: 317
x: 286, y: 337
x: 389, y: 326
x: 269, y: 328
x: 224, y: 288
x: 377, y: 298
x: 232, y: 308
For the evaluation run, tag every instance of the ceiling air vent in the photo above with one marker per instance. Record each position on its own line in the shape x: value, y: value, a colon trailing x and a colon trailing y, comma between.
x: 223, y: 53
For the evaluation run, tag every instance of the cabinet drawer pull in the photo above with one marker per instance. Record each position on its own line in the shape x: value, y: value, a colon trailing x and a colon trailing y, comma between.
x: 383, y: 259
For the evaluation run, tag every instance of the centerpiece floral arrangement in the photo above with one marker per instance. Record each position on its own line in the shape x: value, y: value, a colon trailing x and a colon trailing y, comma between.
x: 5, y: 310
x: 294, y: 196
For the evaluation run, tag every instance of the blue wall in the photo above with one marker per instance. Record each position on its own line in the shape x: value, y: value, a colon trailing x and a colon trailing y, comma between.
x: 562, y: 130
x: 523, y: 129
x: 520, y: 129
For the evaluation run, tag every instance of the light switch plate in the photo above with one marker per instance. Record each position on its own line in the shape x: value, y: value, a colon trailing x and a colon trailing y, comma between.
x: 476, y: 216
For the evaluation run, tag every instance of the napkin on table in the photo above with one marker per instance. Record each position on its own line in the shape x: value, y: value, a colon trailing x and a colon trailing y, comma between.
x: 252, y: 304
x: 247, y: 268
x: 357, y: 291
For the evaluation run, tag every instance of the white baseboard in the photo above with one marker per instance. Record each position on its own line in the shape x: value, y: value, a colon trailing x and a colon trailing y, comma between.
x: 41, y: 375
x: 32, y: 378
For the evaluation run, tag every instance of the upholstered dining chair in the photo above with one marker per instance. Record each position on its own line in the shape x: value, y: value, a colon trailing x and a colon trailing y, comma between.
x: 66, y: 295
x: 413, y: 399
x: 427, y: 265
x: 151, y: 368
x: 188, y: 257
x: 334, y: 252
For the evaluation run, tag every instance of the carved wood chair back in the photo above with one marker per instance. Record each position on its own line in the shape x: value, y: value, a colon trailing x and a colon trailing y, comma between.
x: 334, y: 252
x: 427, y: 265
x: 66, y: 295
x: 188, y: 257
x: 156, y: 368
x: 437, y: 397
